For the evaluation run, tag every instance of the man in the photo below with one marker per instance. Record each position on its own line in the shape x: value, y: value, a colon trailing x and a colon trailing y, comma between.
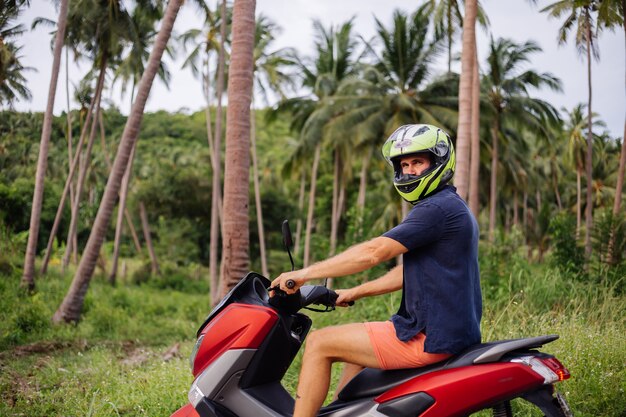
x: 441, y: 299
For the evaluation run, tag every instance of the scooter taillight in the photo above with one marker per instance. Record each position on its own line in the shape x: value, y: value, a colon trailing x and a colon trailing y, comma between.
x: 550, y: 368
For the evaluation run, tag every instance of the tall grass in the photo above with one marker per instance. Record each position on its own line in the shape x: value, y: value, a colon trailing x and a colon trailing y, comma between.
x: 112, y: 362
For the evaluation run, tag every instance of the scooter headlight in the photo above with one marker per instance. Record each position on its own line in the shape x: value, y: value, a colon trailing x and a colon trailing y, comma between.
x: 194, y: 352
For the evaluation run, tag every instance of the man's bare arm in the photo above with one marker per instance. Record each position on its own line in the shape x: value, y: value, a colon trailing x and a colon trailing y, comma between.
x: 390, y: 282
x: 355, y: 259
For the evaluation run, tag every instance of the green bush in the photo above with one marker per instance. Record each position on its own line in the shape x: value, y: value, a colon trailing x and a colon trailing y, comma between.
x: 567, y: 255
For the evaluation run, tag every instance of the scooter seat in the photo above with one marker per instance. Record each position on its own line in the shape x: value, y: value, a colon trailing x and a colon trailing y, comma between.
x: 372, y: 382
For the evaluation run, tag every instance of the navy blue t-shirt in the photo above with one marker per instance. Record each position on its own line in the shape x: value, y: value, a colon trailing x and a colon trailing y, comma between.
x: 441, y: 290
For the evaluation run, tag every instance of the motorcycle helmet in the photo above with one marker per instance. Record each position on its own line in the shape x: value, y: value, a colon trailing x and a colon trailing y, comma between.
x: 414, y: 139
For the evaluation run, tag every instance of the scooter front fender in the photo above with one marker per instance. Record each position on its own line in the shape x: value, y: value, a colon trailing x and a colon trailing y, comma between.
x: 186, y: 411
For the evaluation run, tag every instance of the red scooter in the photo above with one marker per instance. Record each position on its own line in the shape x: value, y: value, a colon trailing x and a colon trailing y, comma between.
x: 248, y: 341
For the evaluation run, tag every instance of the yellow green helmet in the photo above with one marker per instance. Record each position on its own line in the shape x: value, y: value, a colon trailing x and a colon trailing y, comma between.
x: 414, y: 139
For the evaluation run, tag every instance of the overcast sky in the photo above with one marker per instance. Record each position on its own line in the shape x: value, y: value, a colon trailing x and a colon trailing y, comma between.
x: 515, y: 19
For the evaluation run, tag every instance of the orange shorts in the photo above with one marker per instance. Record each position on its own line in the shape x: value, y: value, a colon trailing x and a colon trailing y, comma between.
x: 392, y: 353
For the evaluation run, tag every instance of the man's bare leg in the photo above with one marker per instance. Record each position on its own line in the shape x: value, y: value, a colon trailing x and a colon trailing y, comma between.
x: 348, y: 343
x: 349, y: 371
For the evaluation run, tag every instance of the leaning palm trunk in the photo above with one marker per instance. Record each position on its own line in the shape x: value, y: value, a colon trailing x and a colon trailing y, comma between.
x: 83, y: 171
x: 124, y: 190
x: 309, y: 216
x: 71, y: 307
x: 474, y: 175
x: 257, y: 196
x: 235, y: 239
x: 28, y: 277
x: 465, y: 99
x: 67, y: 187
x: 121, y: 208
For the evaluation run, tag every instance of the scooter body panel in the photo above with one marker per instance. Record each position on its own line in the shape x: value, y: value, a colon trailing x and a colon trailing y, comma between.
x: 238, y: 326
x: 459, y: 390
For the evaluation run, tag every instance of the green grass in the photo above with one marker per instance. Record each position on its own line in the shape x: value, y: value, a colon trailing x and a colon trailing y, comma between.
x: 112, y: 362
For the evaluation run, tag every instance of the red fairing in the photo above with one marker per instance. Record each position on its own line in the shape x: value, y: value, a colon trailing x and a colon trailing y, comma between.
x: 186, y: 411
x: 458, y: 391
x: 238, y: 326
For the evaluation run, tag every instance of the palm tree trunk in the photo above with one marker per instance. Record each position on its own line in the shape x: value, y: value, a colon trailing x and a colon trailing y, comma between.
x: 296, y: 246
x: 309, y: 217
x: 618, y: 199
x: 121, y: 209
x: 474, y: 175
x: 235, y: 241
x: 82, y: 174
x: 71, y: 307
x: 578, y: 201
x: 515, y: 210
x: 449, y: 30
x: 69, y: 138
x: 588, y: 159
x: 335, y: 204
x: 214, y: 230
x: 620, y: 176
x: 216, y: 206
x: 148, y: 238
x: 360, y: 201
x: 129, y: 220
x: 555, y: 184
x: 28, y: 277
x: 525, y: 212
x: 67, y: 187
x: 493, y: 198
x: 463, y: 139
x: 257, y: 195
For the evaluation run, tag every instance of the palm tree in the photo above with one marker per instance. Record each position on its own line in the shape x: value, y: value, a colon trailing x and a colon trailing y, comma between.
x: 611, y: 14
x: 12, y: 80
x: 70, y: 308
x: 208, y: 41
x: 575, y: 126
x: 217, y: 206
x: 448, y: 19
x: 396, y: 90
x: 509, y: 103
x: 130, y: 69
x: 582, y: 14
x: 310, y: 113
x: 468, y: 61
x: 235, y: 241
x: 28, y: 279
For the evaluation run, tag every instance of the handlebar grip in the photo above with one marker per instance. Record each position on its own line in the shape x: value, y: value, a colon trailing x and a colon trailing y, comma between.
x: 290, y: 284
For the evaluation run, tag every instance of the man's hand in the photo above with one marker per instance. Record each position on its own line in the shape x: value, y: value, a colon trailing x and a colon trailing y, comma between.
x: 346, y: 297
x: 296, y: 276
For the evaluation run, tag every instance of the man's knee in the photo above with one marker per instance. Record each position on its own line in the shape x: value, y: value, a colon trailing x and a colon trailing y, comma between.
x: 317, y: 342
